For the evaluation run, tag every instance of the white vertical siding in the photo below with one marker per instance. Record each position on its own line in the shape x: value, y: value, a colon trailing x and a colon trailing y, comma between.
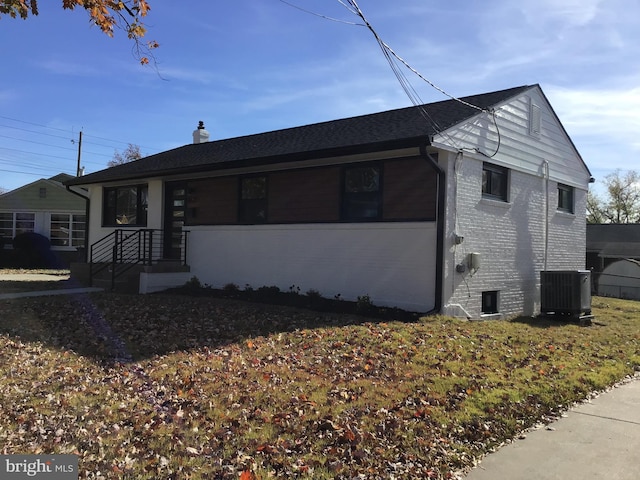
x: 393, y: 263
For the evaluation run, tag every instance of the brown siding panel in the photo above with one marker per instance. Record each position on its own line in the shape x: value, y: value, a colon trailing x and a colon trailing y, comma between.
x: 409, y: 189
x: 311, y: 195
x: 212, y: 201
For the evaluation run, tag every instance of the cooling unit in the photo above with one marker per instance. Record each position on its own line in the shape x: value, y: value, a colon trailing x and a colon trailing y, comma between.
x: 566, y: 292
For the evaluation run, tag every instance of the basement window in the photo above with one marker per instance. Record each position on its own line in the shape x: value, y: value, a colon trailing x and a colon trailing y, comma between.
x: 565, y: 198
x: 490, y: 302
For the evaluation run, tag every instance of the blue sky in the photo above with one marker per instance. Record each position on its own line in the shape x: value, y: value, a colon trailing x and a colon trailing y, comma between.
x: 250, y: 66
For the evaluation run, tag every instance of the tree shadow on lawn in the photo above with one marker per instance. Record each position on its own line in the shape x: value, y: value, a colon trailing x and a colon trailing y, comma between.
x: 124, y: 327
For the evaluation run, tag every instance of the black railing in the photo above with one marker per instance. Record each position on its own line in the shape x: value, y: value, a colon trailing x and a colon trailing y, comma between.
x: 122, y: 250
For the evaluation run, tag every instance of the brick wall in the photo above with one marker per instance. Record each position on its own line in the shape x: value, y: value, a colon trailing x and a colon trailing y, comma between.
x: 510, y: 238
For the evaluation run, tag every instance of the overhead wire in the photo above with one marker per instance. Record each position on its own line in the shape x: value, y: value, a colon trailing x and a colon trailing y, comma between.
x: 27, y: 161
x: 388, y: 49
x: 392, y: 59
x: 320, y: 15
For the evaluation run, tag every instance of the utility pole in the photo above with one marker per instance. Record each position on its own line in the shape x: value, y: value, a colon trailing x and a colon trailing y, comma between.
x: 78, y: 171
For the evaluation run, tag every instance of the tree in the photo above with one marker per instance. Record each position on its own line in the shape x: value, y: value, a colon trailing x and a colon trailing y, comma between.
x: 109, y: 15
x: 622, y: 202
x: 594, y: 209
x: 131, y: 153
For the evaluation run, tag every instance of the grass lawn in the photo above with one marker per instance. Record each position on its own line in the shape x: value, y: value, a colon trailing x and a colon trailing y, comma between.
x: 213, y: 388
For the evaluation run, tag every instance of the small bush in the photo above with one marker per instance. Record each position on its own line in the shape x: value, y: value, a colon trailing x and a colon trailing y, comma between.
x: 231, y: 288
x: 268, y: 293
x: 364, y: 304
x: 193, y: 284
x: 313, y: 294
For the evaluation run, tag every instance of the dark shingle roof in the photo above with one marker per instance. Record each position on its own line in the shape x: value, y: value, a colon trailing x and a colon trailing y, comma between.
x: 395, y: 128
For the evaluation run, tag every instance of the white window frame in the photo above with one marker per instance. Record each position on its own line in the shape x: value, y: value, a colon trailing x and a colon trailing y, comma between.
x: 14, y: 223
x: 73, y: 241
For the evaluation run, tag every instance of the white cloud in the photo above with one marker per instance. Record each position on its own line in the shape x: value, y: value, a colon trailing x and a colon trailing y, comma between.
x: 609, y: 113
x: 571, y: 13
x: 63, y: 67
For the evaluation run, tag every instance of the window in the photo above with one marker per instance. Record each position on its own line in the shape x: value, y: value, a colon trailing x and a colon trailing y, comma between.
x: 125, y: 206
x: 253, y: 200
x: 43, y: 192
x: 565, y: 198
x: 489, y: 302
x: 361, y: 196
x: 495, y: 182
x: 12, y: 224
x: 67, y: 230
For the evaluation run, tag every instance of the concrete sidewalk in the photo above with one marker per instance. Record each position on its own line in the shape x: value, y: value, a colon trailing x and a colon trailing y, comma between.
x: 596, y: 440
x: 40, y: 277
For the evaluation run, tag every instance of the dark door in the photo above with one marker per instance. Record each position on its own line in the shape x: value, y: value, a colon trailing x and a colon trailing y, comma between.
x: 175, y: 196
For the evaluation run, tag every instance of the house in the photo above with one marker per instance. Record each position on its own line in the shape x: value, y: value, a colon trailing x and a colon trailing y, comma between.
x: 45, y: 207
x: 620, y: 279
x: 614, y: 249
x: 453, y: 206
x: 609, y: 242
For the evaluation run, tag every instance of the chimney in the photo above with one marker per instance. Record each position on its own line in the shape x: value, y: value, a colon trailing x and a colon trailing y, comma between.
x: 200, y: 135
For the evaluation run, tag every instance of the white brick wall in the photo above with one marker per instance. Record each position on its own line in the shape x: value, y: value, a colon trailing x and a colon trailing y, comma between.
x: 510, y: 238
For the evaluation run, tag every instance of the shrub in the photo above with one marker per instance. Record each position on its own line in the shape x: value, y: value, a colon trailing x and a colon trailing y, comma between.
x: 193, y: 284
x: 313, y: 294
x: 231, y: 288
x: 364, y: 304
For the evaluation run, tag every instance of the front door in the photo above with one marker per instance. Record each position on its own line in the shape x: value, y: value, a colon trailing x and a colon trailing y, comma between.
x: 175, y: 208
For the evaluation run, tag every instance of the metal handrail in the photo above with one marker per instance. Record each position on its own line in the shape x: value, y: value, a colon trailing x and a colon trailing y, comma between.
x: 121, y: 250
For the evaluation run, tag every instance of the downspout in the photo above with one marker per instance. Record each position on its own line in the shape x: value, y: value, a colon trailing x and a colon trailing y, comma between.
x: 545, y: 170
x: 86, y: 216
x: 440, y: 227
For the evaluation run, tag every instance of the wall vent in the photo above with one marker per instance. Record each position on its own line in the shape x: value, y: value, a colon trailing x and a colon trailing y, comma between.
x: 566, y: 292
x: 534, y: 119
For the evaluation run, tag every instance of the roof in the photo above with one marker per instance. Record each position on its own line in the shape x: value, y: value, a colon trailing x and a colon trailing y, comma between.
x: 27, y: 197
x: 614, y: 240
x: 405, y: 127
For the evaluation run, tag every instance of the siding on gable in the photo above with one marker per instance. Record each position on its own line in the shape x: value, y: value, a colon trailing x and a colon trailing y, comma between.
x: 519, y: 148
x: 28, y: 198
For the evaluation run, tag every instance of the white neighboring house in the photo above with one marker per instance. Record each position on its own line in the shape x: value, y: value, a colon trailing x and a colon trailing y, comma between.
x: 45, y: 207
x: 450, y: 207
x: 620, y: 279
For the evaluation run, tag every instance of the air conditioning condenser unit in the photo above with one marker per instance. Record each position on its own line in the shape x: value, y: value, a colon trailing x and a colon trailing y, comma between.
x: 566, y: 293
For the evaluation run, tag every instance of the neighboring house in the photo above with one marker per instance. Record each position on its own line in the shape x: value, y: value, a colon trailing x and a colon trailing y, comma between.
x: 620, y: 279
x: 609, y: 242
x: 442, y: 207
x: 48, y: 208
x: 614, y: 249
